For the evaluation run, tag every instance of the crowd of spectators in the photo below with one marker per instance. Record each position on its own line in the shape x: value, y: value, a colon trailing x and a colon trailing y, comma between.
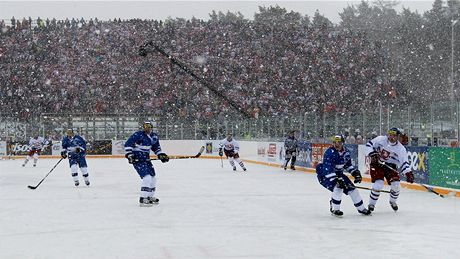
x: 267, y: 69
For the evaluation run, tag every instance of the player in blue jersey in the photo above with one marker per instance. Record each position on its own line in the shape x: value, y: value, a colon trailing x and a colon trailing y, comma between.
x: 137, y: 151
x: 331, y: 175
x: 74, y: 147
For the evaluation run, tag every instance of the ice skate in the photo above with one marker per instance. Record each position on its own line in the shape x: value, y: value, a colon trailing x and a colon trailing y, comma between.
x: 394, y: 206
x: 77, y: 183
x: 153, y: 200
x: 234, y: 168
x: 87, y: 182
x: 144, y: 202
x: 371, y: 207
x: 292, y: 167
x: 365, y: 212
x: 337, y: 213
x: 148, y: 201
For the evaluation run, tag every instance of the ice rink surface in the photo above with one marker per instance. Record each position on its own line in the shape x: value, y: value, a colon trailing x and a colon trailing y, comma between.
x: 206, y: 211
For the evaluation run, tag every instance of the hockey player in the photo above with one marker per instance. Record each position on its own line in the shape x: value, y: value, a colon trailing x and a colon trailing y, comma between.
x: 137, y: 151
x: 230, y: 147
x: 331, y: 175
x: 36, y: 144
x: 290, y: 146
x: 388, y: 157
x: 74, y: 147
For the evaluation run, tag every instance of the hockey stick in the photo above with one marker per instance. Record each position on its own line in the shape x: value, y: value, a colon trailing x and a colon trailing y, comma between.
x: 428, y: 188
x: 370, y: 189
x: 36, y: 186
x: 143, y: 51
x: 183, y: 157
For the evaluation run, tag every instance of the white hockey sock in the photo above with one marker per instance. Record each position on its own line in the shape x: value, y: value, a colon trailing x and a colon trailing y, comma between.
x: 74, y: 171
x: 147, y: 186
x: 231, y: 161
x: 336, y: 198
x: 375, y: 192
x: 394, y: 191
x: 357, y: 200
x: 27, y: 159
x: 84, y: 172
x: 240, y: 162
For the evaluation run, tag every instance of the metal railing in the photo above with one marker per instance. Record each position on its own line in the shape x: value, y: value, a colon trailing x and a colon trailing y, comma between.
x: 436, y: 124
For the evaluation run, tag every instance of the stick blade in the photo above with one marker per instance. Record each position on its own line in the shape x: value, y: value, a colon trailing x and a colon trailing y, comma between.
x: 32, y: 187
x: 199, y: 153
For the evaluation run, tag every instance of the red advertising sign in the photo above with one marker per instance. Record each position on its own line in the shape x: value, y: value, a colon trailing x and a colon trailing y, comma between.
x: 317, y: 151
x: 271, y: 150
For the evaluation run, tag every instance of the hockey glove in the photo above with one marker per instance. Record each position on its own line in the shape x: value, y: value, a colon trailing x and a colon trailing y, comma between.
x: 221, y: 153
x: 410, y: 177
x: 163, y: 157
x: 357, y: 175
x: 374, y: 155
x: 64, y: 154
x: 131, y: 158
x: 77, y: 150
x: 341, y: 183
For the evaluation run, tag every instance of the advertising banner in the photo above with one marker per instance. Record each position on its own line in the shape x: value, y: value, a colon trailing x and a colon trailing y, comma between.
x: 353, y: 148
x: 56, y: 148
x: 208, y: 147
x: 21, y: 148
x: 317, y: 152
x: 118, y: 147
x: 99, y: 147
x: 304, y: 154
x: 444, y: 167
x: 272, y: 152
x: 418, y: 160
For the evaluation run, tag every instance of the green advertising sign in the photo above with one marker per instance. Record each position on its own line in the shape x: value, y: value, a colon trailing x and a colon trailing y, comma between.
x: 445, y: 167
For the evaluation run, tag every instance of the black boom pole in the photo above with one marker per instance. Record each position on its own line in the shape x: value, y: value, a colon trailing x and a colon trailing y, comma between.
x: 146, y: 48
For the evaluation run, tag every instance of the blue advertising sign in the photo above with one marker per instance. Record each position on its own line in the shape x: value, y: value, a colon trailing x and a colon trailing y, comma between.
x: 353, y: 148
x: 304, y: 156
x: 418, y: 160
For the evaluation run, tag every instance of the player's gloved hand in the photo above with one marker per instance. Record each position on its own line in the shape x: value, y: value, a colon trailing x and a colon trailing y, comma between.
x: 221, y: 153
x: 163, y: 157
x: 64, y: 154
x: 131, y: 158
x: 77, y: 150
x: 341, y: 183
x: 374, y: 155
x: 410, y: 177
x: 357, y: 175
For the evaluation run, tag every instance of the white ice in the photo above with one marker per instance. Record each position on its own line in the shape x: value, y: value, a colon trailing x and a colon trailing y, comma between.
x: 206, y: 211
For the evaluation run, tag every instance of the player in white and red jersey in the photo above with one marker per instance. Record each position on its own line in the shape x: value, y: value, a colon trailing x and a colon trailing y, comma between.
x: 231, y: 148
x: 388, y: 158
x: 36, y: 145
